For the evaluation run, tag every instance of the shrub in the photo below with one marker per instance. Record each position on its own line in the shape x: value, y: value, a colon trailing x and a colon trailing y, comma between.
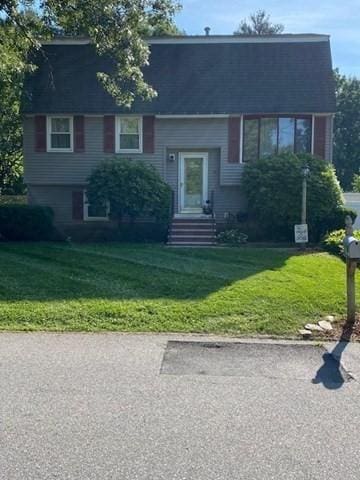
x: 356, y: 183
x: 333, y: 242
x: 26, y: 222
x: 132, y: 188
x: 232, y: 236
x: 126, y: 232
x: 12, y: 199
x: 273, y: 186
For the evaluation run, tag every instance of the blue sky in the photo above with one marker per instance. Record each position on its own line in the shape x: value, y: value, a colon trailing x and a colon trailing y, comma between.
x: 339, y: 18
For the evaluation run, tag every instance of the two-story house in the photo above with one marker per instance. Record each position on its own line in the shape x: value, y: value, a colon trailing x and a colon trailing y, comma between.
x: 222, y: 101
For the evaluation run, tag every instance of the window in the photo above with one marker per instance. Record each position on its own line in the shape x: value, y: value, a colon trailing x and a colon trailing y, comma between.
x: 251, y: 140
x: 129, y: 135
x: 60, y: 134
x: 95, y: 212
x: 268, y: 136
x: 303, y: 135
x: 286, y: 135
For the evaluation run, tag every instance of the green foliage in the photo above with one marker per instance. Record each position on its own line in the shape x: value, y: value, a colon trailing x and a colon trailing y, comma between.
x: 132, y: 188
x: 356, y: 183
x: 115, y: 27
x: 273, y: 186
x: 12, y: 199
x: 259, y: 24
x: 149, y: 232
x: 333, y: 241
x: 232, y: 236
x: 13, y: 66
x: 347, y: 129
x: 26, y: 222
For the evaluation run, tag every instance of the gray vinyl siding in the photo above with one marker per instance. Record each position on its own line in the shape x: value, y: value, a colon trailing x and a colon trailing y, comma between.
x: 59, y: 198
x: 51, y: 177
x: 74, y: 168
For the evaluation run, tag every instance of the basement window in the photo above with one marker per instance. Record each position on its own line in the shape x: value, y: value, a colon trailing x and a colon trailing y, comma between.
x: 95, y: 212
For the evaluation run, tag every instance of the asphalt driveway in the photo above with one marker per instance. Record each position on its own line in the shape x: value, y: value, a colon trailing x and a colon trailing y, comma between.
x: 136, y: 407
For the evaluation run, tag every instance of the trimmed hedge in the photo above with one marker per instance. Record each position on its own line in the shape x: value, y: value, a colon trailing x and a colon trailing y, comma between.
x: 26, y: 222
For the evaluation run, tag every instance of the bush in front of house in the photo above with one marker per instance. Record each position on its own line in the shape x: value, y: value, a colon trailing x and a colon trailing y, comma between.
x: 333, y: 241
x: 273, y: 186
x: 149, y: 232
x: 132, y: 189
x: 231, y: 236
x: 26, y: 222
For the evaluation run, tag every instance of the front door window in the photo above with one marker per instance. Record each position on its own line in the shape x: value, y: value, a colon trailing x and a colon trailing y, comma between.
x: 193, y: 184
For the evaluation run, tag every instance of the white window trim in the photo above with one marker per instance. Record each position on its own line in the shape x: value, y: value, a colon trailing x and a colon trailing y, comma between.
x: 48, y: 134
x: 86, y: 211
x: 117, y: 136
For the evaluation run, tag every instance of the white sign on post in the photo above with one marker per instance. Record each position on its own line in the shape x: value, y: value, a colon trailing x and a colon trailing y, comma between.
x: 301, y: 233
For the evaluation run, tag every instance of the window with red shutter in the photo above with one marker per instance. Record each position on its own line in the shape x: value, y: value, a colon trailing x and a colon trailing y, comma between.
x: 40, y: 133
x: 319, y: 136
x: 234, y: 140
x: 109, y: 133
x: 149, y: 134
x: 79, y: 133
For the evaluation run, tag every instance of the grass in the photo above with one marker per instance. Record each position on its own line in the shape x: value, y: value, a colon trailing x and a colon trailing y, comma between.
x: 95, y: 287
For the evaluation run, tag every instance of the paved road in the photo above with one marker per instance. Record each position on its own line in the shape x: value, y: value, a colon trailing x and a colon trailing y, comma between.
x: 107, y: 406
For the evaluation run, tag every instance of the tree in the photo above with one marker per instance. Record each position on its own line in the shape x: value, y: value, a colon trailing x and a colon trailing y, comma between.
x: 13, y: 66
x: 347, y: 129
x: 259, y: 24
x: 131, y: 188
x: 115, y: 27
x: 273, y: 187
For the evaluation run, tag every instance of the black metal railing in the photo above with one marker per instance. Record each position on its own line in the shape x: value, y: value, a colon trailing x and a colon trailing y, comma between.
x: 212, y: 203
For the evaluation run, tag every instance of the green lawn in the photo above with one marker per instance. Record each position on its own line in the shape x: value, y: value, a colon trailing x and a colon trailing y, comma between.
x: 154, y: 288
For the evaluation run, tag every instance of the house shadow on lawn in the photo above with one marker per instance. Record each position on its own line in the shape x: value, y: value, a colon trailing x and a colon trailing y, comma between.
x: 331, y: 374
x: 58, y: 272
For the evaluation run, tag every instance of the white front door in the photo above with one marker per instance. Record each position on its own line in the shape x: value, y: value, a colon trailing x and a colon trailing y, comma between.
x: 193, y: 186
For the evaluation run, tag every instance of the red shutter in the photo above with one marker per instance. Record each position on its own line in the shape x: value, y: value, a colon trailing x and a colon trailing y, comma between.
x: 234, y: 140
x: 319, y: 136
x: 40, y: 133
x: 79, y: 133
x: 78, y: 205
x: 109, y: 134
x: 149, y: 134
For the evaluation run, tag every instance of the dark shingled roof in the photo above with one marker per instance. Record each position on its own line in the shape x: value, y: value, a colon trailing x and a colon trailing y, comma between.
x: 192, y: 78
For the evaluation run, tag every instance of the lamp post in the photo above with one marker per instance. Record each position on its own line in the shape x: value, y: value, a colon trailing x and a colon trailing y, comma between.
x: 305, y: 173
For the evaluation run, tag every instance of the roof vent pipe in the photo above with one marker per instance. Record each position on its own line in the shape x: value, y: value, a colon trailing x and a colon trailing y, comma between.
x: 207, y: 31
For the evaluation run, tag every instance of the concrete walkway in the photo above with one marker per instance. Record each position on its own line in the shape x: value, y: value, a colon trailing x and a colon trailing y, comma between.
x: 109, y: 406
